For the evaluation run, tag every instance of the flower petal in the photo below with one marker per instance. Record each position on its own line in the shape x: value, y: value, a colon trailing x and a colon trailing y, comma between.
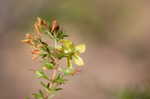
x: 67, y: 44
x: 78, y: 60
x: 80, y: 48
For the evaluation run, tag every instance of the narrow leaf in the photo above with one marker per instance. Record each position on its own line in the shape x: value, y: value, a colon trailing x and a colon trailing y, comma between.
x: 41, y: 74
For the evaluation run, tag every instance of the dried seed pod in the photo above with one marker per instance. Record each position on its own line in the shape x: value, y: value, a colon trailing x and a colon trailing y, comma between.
x: 54, y: 27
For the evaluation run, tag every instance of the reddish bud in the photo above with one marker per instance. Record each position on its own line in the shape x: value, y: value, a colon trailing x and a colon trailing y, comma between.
x: 29, y: 36
x: 54, y: 26
x: 36, y: 51
x: 34, y: 57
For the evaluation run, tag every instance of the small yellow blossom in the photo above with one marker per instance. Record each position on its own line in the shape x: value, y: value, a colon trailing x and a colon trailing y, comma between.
x: 69, y: 48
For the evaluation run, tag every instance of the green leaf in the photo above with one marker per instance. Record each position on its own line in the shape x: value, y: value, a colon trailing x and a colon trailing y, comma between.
x: 78, y: 60
x: 49, y: 90
x: 67, y: 71
x: 48, y: 65
x: 41, y: 74
x: 49, y: 34
x: 43, y: 55
x: 46, y: 86
x: 43, y: 29
x: 80, y: 48
x: 38, y: 95
x: 61, y: 55
x: 61, y: 35
x: 57, y: 89
x: 59, y: 79
x: 43, y: 48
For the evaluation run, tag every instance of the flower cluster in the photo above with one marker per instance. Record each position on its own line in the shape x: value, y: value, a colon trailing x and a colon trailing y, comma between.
x: 50, y: 53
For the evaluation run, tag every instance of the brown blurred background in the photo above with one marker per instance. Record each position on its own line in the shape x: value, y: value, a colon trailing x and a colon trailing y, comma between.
x: 116, y: 32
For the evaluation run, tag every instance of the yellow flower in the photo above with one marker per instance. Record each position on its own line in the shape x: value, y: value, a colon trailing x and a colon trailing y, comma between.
x: 80, y: 48
x: 73, y: 52
x: 78, y: 60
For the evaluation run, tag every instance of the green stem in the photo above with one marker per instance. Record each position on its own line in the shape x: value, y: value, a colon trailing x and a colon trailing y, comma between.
x: 55, y: 43
x: 54, y: 72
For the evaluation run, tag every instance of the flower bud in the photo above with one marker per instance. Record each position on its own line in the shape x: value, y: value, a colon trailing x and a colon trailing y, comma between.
x: 36, y: 51
x: 28, y: 41
x: 29, y: 36
x: 34, y: 57
x: 54, y: 26
x: 37, y: 28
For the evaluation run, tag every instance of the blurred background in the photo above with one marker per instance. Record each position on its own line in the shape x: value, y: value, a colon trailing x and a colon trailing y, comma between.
x: 117, y: 35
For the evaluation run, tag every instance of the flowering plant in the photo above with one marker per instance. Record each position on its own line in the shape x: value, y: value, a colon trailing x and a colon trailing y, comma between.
x: 51, y: 71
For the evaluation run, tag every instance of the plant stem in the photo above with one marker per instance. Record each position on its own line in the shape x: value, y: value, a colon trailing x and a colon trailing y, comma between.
x: 54, y: 72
